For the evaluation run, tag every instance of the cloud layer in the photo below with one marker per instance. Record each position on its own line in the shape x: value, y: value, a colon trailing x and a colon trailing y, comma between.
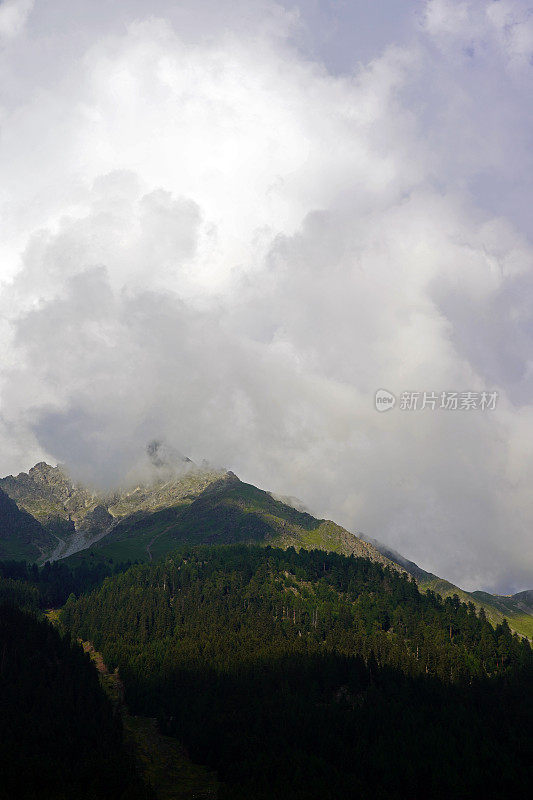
x: 214, y: 240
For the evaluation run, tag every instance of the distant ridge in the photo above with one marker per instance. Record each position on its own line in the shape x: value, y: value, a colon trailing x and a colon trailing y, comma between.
x: 517, y: 609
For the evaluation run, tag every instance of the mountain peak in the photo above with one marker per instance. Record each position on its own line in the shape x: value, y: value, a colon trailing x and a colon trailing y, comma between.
x: 42, y: 467
x: 46, y: 473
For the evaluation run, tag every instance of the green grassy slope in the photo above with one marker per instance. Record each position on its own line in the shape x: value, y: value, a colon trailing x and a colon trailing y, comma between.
x: 227, y: 511
x: 517, y: 609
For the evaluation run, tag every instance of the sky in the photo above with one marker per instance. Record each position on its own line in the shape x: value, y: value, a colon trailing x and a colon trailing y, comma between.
x: 226, y: 225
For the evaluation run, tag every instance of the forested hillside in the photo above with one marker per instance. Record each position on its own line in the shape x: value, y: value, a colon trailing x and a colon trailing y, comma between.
x: 313, y: 675
x: 59, y: 738
x: 516, y: 609
x: 51, y: 584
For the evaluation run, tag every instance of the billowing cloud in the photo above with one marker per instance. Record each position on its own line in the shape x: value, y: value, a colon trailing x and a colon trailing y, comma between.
x: 214, y: 242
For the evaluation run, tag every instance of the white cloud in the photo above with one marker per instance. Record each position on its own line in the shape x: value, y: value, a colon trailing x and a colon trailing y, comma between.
x: 447, y: 18
x: 13, y: 16
x: 225, y: 247
x: 475, y: 27
x: 512, y: 22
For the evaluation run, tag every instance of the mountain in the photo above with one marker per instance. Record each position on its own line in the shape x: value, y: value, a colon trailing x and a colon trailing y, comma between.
x: 198, y: 505
x: 49, y: 495
x: 290, y: 657
x: 225, y: 512
x: 78, y: 516
x: 147, y: 520
x: 21, y: 535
